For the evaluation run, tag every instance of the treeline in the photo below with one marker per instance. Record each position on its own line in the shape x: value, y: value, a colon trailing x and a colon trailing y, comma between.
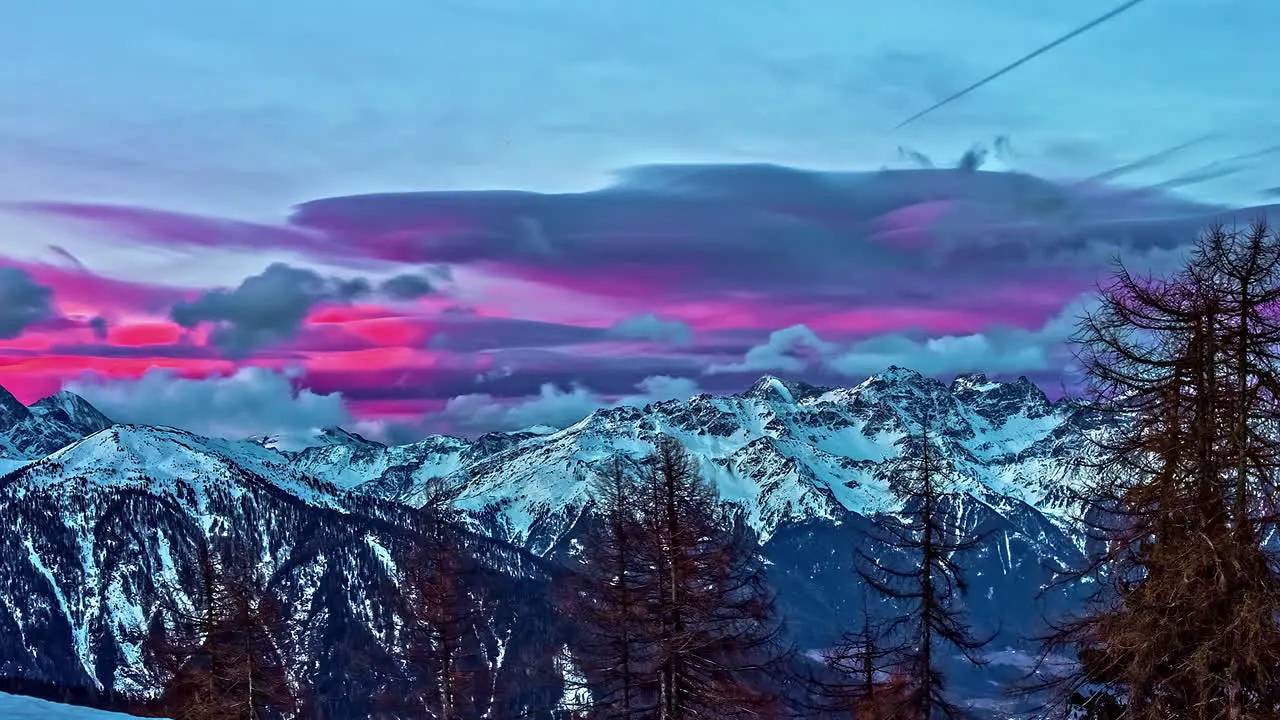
x: 676, y: 618
x: 1182, y: 512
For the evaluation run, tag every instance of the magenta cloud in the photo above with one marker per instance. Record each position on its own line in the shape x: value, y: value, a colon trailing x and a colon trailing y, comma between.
x: 691, y: 232
x: 709, y: 274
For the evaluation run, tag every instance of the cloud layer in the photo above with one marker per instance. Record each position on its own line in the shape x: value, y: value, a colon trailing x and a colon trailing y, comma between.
x: 250, y: 402
x: 484, y: 245
x: 553, y: 407
x: 23, y: 302
x: 501, y: 309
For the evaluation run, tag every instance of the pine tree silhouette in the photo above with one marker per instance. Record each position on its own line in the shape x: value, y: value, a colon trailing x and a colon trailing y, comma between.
x: 606, y: 599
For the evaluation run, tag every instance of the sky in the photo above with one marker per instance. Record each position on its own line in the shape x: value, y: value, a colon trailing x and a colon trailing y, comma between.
x: 460, y: 216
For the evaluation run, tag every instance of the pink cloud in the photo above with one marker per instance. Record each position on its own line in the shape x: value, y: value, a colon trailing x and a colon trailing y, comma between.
x: 405, y: 410
x: 80, y: 291
x: 32, y: 377
x: 146, y: 333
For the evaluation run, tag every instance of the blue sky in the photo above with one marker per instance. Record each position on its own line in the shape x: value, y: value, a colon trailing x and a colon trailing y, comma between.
x: 246, y: 107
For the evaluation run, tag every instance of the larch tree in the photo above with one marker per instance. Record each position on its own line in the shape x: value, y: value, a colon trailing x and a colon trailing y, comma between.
x: 678, y: 620
x: 912, y: 563
x: 437, y: 645
x: 1183, y: 623
x: 221, y: 656
x: 715, y: 635
x: 607, y: 599
x: 851, y: 681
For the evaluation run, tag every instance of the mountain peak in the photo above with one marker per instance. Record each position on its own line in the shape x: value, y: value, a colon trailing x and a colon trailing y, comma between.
x: 334, y: 435
x: 52, y: 423
x: 1000, y: 400
x: 896, y: 379
x: 71, y: 410
x: 11, y: 411
x: 897, y: 374
x: 771, y: 388
x: 774, y: 389
x: 972, y: 382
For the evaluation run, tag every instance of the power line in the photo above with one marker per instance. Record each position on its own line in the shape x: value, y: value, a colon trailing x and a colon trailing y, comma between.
x: 1026, y: 58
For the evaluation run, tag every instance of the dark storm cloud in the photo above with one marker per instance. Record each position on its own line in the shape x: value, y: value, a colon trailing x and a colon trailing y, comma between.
x: 23, y: 302
x: 406, y: 287
x: 100, y: 326
x: 696, y: 231
x: 1010, y: 246
x: 269, y: 308
x: 700, y: 230
x: 173, y: 228
x: 349, y: 289
x: 527, y: 371
x: 265, y: 309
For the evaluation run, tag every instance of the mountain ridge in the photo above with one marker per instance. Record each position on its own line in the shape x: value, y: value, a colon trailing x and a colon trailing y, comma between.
x: 783, y: 449
x: 96, y: 524
x: 29, y: 433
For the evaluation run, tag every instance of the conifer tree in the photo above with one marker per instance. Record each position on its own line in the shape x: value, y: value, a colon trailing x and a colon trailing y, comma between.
x: 1184, y: 620
x: 673, y: 591
x: 607, y: 600
x: 221, y: 657
x: 444, y: 677
x: 912, y: 562
x: 716, y: 635
x: 852, y: 683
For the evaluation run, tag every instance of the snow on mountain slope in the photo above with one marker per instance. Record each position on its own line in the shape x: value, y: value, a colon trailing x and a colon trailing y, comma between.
x: 8, y: 465
x: 20, y: 707
x: 347, y: 460
x: 100, y: 526
x: 50, y: 424
x: 169, y: 460
x: 93, y: 529
x: 784, y: 451
x: 100, y: 532
x: 72, y: 411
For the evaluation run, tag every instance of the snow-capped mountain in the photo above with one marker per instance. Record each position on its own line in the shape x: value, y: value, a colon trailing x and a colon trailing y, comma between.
x: 786, y: 452
x: 809, y: 466
x: 27, y: 433
x: 102, y: 519
x: 98, y: 533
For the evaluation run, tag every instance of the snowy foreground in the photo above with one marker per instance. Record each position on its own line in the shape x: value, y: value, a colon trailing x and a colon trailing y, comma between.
x: 18, y: 707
